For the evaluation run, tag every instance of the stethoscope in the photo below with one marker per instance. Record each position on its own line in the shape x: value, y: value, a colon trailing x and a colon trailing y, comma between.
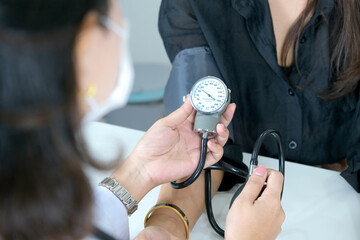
x: 210, y: 98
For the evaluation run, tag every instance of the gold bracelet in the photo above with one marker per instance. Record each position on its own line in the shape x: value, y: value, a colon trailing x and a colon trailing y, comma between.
x: 173, y: 207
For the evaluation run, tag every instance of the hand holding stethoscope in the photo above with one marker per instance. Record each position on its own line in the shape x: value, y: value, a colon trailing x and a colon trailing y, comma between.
x: 210, y: 97
x: 263, y: 215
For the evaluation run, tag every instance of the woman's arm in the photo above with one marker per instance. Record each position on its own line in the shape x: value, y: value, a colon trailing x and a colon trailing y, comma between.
x: 191, y: 200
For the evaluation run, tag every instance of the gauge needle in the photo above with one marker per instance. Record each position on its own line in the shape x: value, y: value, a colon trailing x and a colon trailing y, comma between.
x: 208, y: 94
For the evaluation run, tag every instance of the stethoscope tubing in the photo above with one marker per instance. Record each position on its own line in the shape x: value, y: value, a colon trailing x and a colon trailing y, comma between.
x: 253, y: 164
x: 223, y: 166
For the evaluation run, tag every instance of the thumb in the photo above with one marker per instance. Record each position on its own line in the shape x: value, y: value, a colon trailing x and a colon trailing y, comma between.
x: 181, y: 114
x: 254, y: 185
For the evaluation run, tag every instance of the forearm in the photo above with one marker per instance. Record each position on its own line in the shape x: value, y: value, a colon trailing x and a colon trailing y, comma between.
x: 191, y: 200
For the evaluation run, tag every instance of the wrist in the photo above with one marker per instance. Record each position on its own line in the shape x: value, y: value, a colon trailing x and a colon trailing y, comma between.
x: 133, y: 177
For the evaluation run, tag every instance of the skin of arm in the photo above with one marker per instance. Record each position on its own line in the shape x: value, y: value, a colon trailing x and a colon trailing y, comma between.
x: 165, y: 223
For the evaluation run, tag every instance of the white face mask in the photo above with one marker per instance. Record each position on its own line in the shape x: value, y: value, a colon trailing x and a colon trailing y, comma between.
x: 121, y: 92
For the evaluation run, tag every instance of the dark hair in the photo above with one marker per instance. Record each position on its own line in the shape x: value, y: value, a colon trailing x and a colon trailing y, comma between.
x: 44, y: 193
x: 345, y: 48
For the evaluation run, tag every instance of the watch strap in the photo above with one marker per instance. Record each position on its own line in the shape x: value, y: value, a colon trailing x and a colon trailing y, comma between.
x: 121, y: 193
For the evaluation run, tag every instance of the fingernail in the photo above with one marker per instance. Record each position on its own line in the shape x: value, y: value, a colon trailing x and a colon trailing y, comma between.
x: 260, y: 170
x: 185, y: 97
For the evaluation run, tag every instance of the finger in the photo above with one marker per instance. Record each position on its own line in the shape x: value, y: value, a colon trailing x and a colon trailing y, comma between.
x: 223, y: 134
x: 180, y: 115
x: 274, y: 184
x: 254, y: 185
x: 215, y: 153
x: 227, y: 116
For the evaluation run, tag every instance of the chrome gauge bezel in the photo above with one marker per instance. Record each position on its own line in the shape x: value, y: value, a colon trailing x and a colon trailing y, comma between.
x: 193, y: 92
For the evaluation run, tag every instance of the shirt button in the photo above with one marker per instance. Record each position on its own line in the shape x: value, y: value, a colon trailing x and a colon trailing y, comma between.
x: 303, y: 39
x: 291, y: 92
x: 292, y: 145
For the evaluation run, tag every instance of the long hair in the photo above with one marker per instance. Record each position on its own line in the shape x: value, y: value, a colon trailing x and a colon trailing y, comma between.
x: 44, y: 193
x: 345, y: 47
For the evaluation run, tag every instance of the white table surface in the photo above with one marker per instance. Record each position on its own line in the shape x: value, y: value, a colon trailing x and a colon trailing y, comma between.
x: 319, y: 203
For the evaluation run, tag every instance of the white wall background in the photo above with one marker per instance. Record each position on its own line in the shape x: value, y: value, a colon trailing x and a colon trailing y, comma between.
x: 152, y: 66
x: 145, y: 42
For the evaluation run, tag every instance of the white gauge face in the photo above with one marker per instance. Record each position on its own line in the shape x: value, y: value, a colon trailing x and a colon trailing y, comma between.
x: 209, y: 95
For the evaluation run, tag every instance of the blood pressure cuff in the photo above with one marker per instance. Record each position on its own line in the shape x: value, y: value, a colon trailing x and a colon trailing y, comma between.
x: 190, y: 65
x: 233, y: 156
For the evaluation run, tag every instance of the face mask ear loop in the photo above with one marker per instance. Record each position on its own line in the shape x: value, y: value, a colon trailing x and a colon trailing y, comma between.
x: 90, y: 97
x: 110, y: 24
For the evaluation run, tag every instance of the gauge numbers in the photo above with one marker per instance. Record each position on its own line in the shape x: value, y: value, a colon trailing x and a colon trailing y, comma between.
x: 209, y: 95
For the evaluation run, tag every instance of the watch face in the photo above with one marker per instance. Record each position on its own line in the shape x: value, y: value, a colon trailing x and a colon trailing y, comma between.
x: 209, y: 95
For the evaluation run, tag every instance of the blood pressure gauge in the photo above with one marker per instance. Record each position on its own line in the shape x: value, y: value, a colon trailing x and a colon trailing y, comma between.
x: 210, y: 97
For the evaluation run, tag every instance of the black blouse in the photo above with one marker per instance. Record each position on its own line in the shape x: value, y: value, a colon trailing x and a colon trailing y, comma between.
x: 239, y: 35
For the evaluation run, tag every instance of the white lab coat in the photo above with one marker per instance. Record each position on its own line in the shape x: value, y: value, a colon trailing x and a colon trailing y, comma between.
x: 110, y: 214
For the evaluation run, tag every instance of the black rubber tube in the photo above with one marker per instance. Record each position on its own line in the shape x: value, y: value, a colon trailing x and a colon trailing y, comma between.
x: 208, y: 204
x: 276, y: 135
x: 254, y: 160
x: 199, y: 168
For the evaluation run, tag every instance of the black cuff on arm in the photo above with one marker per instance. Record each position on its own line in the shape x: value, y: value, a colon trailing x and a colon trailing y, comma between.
x: 352, y: 173
x: 233, y: 156
x: 189, y: 66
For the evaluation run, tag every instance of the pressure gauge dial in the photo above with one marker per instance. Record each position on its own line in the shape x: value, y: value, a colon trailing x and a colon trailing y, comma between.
x: 209, y: 95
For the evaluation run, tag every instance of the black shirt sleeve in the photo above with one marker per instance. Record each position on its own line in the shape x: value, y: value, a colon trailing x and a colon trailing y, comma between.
x: 352, y: 173
x: 184, y: 39
x: 178, y: 27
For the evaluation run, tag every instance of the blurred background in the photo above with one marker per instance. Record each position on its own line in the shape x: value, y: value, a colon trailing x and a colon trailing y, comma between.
x: 151, y: 64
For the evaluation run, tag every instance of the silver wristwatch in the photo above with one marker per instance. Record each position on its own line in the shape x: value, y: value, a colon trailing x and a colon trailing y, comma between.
x: 121, y: 193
